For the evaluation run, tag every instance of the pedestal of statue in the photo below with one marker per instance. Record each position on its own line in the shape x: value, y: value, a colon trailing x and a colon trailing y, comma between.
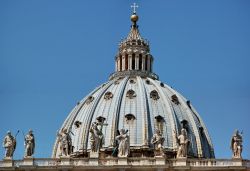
x: 93, y: 158
x: 65, y: 160
x: 94, y: 154
x: 28, y: 161
x: 7, y: 162
x: 237, y: 161
x: 160, y: 160
x: 122, y: 160
x: 181, y: 161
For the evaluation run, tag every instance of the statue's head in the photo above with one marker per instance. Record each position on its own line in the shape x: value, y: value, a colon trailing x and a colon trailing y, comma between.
x: 64, y: 130
x: 122, y: 131
x: 8, y: 133
x: 94, y: 125
x: 183, y: 131
x: 30, y: 131
x: 236, y: 132
x: 157, y: 131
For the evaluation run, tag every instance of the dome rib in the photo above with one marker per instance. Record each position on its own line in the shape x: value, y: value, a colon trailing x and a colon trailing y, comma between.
x: 193, y: 125
x: 145, y: 108
x: 211, y: 150
x: 146, y: 113
x: 73, y: 114
x: 170, y: 112
x: 92, y: 112
x: 140, y: 106
x: 116, y: 119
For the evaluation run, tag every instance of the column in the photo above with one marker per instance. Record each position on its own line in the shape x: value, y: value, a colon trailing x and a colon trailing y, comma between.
x: 123, y: 62
x: 118, y: 63
x: 136, y: 62
x: 149, y: 63
x: 129, y: 62
x: 143, y: 62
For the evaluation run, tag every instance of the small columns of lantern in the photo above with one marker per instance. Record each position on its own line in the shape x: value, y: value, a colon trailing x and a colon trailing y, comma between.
x: 134, y: 61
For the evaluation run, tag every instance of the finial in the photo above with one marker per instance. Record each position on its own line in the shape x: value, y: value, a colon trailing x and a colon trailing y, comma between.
x: 134, y: 6
x: 134, y: 17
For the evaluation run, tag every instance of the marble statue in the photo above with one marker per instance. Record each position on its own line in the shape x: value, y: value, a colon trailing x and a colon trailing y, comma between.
x: 29, y: 142
x: 236, y: 144
x: 96, y: 137
x: 65, y: 142
x: 157, y: 140
x: 183, y: 143
x: 123, y: 139
x: 9, y: 143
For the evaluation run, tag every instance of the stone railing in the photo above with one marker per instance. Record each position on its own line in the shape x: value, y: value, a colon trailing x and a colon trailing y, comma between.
x: 65, y: 162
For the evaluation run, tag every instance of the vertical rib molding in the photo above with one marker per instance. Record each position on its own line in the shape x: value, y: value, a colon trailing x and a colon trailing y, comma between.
x: 115, y: 120
x: 90, y: 117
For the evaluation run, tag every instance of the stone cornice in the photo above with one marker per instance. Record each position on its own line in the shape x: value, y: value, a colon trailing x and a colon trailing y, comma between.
x: 67, y: 163
x: 134, y: 73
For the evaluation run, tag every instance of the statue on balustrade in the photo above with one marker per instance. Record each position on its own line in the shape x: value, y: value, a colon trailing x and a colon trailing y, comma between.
x: 123, y: 140
x: 183, y: 143
x: 236, y: 144
x: 96, y: 137
x: 9, y: 143
x: 29, y: 142
x: 157, y: 140
x: 65, y: 142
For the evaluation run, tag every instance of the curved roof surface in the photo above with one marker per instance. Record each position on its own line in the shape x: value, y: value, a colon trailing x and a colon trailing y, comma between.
x: 146, y: 100
x: 134, y: 99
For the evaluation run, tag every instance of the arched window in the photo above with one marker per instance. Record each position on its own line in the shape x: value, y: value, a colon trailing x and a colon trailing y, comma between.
x: 159, y: 121
x: 133, y: 61
x: 77, y: 124
x: 130, y: 94
x: 140, y: 62
x: 120, y: 67
x: 108, y: 95
x: 151, y: 62
x: 126, y: 62
x: 175, y: 99
x: 89, y: 99
x: 154, y: 95
x: 130, y: 117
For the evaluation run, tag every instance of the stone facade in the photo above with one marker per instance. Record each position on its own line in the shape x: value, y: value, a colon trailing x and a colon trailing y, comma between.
x: 152, y: 164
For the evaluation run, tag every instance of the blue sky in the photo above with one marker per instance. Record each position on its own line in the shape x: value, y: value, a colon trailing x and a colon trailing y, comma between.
x: 53, y: 53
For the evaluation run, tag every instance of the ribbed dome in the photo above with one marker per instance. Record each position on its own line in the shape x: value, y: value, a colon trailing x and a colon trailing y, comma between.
x: 134, y: 99
x: 152, y: 105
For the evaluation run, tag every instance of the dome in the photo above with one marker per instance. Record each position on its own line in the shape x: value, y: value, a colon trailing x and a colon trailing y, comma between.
x: 136, y: 100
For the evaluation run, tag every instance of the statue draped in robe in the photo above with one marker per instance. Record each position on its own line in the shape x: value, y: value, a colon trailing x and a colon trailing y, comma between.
x: 65, y: 142
x: 123, y: 139
x: 96, y: 137
x: 29, y: 142
x: 236, y: 144
x: 183, y: 143
x: 9, y: 143
x: 157, y: 140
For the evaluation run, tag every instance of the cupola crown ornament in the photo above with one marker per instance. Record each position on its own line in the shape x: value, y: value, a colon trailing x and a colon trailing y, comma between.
x: 133, y: 57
